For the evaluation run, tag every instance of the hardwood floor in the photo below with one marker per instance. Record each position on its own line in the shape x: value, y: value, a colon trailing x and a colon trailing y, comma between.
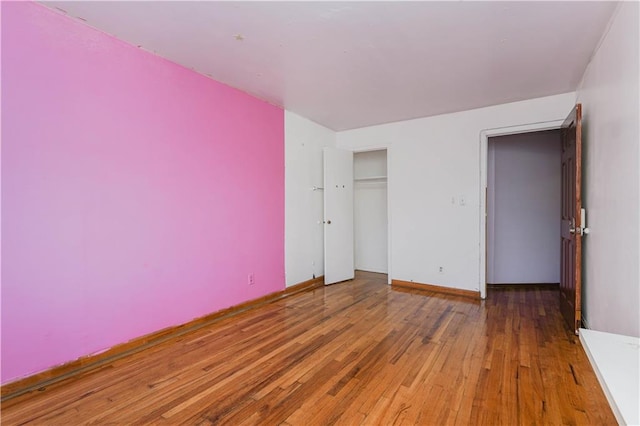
x: 354, y: 353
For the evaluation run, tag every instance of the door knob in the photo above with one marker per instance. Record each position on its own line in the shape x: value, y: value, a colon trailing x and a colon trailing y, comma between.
x: 328, y: 222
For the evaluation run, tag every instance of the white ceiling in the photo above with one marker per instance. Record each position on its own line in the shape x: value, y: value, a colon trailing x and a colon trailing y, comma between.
x: 353, y: 64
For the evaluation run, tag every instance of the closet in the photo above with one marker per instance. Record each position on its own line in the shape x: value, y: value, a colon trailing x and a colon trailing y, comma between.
x: 370, y: 211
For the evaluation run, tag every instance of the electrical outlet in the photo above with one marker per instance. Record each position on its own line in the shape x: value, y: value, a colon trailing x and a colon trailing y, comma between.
x: 252, y: 279
x: 441, y: 269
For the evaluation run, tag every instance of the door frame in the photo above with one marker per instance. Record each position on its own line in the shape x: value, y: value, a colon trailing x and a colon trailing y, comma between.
x: 484, y: 144
x: 383, y: 148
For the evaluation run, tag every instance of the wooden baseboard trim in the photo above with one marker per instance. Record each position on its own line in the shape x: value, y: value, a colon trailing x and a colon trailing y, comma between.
x: 510, y: 286
x: 436, y: 289
x: 91, y: 362
x: 532, y: 284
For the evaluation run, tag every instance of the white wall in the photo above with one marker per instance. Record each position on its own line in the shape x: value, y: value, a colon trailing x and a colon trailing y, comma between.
x: 304, y: 244
x: 523, y: 237
x: 609, y: 94
x: 370, y: 211
x: 434, y: 186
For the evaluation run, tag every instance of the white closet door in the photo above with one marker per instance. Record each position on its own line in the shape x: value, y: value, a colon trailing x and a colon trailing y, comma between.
x: 338, y: 215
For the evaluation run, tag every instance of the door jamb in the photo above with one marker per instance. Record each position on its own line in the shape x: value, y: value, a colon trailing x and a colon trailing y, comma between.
x: 484, y: 141
x: 383, y: 148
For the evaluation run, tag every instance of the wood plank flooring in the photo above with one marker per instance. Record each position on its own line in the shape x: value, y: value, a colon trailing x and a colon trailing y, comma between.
x: 354, y: 353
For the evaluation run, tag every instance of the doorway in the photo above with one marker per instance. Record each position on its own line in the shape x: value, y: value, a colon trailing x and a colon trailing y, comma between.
x: 370, y: 211
x: 350, y: 177
x: 523, y: 204
x: 573, y: 225
x: 484, y: 143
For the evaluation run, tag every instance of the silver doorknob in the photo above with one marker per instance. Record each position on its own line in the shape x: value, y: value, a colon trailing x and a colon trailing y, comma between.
x: 572, y: 230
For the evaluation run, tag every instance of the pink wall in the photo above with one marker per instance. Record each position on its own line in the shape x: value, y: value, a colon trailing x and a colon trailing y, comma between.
x: 136, y: 194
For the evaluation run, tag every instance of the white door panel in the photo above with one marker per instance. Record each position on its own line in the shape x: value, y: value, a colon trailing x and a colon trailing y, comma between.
x: 338, y: 215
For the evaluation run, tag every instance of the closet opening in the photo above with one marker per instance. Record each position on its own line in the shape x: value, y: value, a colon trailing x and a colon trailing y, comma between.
x: 371, y: 252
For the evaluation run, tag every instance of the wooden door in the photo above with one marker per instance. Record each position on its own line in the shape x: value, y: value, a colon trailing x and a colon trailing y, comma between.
x: 338, y: 216
x: 571, y: 251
